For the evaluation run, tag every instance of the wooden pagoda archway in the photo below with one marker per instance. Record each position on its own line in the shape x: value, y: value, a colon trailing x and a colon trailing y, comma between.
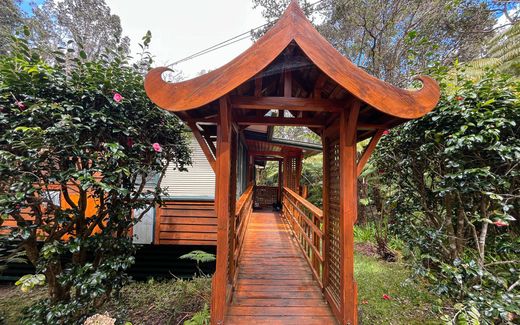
x: 291, y: 76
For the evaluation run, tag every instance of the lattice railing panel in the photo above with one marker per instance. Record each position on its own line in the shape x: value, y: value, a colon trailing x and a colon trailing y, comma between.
x: 291, y: 173
x: 232, y: 205
x: 333, y: 254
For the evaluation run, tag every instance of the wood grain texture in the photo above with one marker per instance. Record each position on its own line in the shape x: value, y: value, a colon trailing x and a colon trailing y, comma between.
x: 186, y: 223
x: 348, y: 212
x: 223, y: 193
x: 275, y: 284
x: 293, y: 26
x: 368, y: 151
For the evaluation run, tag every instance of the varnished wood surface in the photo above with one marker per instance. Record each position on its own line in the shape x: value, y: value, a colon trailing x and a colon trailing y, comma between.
x: 293, y: 26
x: 275, y: 284
x: 186, y: 223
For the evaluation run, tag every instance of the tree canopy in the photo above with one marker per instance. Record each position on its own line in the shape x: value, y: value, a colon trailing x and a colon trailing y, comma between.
x: 395, y: 39
x: 79, y: 142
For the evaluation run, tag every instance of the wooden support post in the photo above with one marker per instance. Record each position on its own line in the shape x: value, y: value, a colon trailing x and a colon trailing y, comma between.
x: 222, y: 208
x: 348, y: 210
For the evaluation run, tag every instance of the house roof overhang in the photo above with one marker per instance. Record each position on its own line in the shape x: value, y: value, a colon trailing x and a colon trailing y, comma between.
x: 293, y: 27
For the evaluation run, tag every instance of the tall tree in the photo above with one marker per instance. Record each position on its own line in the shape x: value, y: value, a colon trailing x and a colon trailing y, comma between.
x: 86, y: 22
x: 393, y: 39
x: 10, y: 19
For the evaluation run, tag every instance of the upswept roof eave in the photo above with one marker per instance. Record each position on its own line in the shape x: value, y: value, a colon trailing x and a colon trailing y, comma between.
x: 293, y: 26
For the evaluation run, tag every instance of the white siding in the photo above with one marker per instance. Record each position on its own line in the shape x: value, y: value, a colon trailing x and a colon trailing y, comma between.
x: 143, y: 230
x: 198, y: 181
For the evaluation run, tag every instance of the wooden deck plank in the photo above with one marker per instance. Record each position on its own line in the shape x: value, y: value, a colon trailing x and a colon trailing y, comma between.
x: 275, y: 284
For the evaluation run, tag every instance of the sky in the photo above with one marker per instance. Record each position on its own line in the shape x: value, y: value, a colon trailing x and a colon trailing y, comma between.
x: 181, y: 28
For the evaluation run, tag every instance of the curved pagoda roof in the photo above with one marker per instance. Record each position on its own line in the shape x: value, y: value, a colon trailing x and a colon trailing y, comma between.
x: 294, y: 44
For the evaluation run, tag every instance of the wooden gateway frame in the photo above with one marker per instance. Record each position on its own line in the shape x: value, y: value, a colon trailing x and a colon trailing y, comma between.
x: 291, y: 76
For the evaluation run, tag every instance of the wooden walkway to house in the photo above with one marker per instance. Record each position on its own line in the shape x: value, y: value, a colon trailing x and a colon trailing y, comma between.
x: 275, y: 284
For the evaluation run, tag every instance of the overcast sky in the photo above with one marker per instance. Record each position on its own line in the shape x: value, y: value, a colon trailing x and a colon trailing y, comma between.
x: 181, y: 28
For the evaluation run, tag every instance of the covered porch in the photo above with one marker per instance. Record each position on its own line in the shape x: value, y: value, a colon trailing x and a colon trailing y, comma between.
x: 290, y: 77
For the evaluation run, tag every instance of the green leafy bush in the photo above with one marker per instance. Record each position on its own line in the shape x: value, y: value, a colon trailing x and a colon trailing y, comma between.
x: 87, y: 129
x: 453, y: 177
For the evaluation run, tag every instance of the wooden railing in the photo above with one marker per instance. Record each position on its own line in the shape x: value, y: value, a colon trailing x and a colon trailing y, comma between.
x: 306, y: 223
x: 243, y: 211
x: 266, y: 196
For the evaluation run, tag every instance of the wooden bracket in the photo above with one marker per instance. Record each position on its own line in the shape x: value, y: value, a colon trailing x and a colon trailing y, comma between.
x: 203, y: 143
x: 368, y: 151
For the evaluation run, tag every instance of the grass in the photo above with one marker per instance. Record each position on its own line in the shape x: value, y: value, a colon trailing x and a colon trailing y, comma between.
x: 176, y: 301
x: 13, y: 301
x: 152, y: 302
x: 409, y: 303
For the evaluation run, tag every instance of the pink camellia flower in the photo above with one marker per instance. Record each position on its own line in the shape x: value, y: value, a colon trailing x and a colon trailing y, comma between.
x: 500, y: 223
x: 118, y: 98
x: 157, y: 147
x: 20, y: 105
x: 386, y: 297
x: 386, y: 132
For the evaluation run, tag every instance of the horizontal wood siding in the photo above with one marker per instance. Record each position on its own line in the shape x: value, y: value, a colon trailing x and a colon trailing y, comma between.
x: 197, y: 181
x: 186, y: 223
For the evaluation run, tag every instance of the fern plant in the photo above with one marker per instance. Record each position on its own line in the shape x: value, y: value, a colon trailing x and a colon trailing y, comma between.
x: 502, y: 54
x: 199, y: 257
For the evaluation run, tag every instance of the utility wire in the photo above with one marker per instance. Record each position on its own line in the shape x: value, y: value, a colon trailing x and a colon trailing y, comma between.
x: 232, y: 40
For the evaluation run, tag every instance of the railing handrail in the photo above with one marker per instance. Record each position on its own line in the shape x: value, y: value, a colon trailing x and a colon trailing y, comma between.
x: 311, y: 207
x: 305, y: 220
x: 243, y: 199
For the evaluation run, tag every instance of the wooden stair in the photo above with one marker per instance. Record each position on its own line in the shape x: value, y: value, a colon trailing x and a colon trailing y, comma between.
x: 275, y: 284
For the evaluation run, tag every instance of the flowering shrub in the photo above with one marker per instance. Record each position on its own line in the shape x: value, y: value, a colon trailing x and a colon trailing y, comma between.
x: 454, y: 178
x: 87, y: 129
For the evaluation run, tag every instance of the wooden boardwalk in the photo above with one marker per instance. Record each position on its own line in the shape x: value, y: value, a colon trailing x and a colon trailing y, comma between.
x: 275, y: 284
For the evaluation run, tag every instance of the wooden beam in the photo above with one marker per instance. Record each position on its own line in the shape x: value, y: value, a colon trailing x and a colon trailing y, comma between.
x: 223, y: 189
x: 268, y: 153
x: 348, y: 210
x: 368, y: 151
x: 350, y: 130
x: 258, y: 85
x: 271, y: 121
x: 211, y: 145
x: 287, y: 84
x: 291, y: 103
x: 319, y: 84
x: 371, y: 126
x: 203, y: 144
